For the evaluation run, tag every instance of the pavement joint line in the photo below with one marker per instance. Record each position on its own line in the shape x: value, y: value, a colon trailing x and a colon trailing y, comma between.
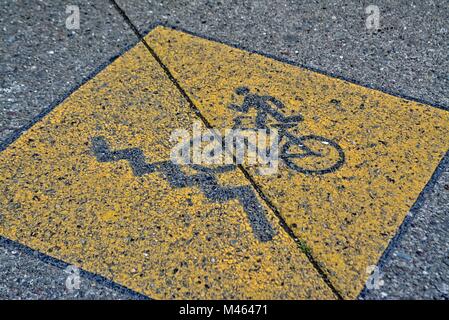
x: 444, y: 162
x: 300, y: 243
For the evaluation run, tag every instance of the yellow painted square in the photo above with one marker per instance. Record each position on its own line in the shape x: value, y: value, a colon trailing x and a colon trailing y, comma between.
x: 62, y: 197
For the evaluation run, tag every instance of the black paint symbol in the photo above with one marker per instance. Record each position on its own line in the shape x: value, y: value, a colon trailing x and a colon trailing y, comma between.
x: 264, y: 107
x: 205, y: 180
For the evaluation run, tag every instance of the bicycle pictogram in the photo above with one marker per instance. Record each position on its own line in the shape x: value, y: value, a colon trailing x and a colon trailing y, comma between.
x: 293, y: 150
x: 308, y: 154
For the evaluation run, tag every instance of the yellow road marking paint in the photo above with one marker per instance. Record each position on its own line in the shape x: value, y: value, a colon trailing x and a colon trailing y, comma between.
x: 87, y: 185
x: 389, y: 147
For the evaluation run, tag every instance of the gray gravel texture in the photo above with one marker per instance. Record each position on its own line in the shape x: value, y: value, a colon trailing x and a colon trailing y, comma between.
x: 25, y: 276
x: 407, y: 56
x: 418, y: 266
x: 40, y: 62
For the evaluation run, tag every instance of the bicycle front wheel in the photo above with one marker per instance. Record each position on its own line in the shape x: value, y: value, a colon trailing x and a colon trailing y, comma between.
x: 312, y: 155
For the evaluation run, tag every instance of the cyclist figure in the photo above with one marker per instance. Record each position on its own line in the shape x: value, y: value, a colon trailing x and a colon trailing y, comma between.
x: 294, y: 148
x: 264, y: 106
